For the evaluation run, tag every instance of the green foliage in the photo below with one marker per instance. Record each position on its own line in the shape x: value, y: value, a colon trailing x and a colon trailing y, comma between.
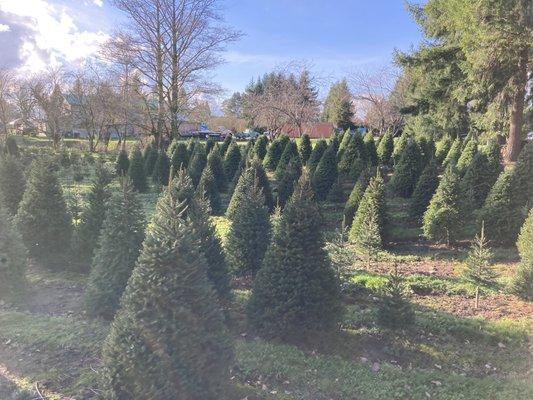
x: 290, y: 153
x: 161, y: 171
x: 92, y: 217
x: 346, y: 136
x: 12, y: 260
x: 214, y: 161
x: 336, y: 193
x: 150, y: 158
x: 523, y: 281
x: 442, y: 219
x: 385, y: 149
x: 168, y: 340
x: 478, y: 269
x: 407, y: 170
x: 260, y: 147
x: 368, y: 227
x: 12, y: 183
x: 467, y: 155
x: 525, y: 239
x: 316, y: 155
x: 399, y: 146
x: 424, y: 190
x: 478, y: 179
x: 353, y: 150
x: 209, y: 144
x: 180, y: 157
x: 273, y: 154
x: 232, y: 160
x: 427, y: 149
x: 123, y: 163
x: 502, y: 218
x: 370, y: 148
x: 287, y: 182
x: 207, y: 188
x: 225, y: 144
x: 119, y: 246
x: 136, y: 172
x: 10, y: 147
x: 249, y: 232
x: 454, y: 153
x: 296, y: 289
x: 338, y: 107
x: 355, y: 197
x: 43, y: 219
x: 325, y: 173
x: 442, y: 148
x: 523, y: 181
x: 197, y: 164
x: 395, y: 312
x: 305, y: 148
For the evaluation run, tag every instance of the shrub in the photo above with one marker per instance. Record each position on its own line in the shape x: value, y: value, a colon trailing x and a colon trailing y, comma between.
x: 305, y: 148
x: 260, y: 147
x: 161, y: 171
x: 290, y: 153
x: 325, y: 173
x: 197, y: 164
x: 119, y: 246
x: 232, y: 160
x: 92, y: 217
x: 296, y: 289
x: 12, y: 183
x: 407, y: 170
x: 442, y: 148
x: 316, y: 155
x: 43, y: 219
x: 385, y: 149
x: 442, y: 219
x: 12, y: 260
x: 123, y: 163
x: 368, y: 227
x: 248, y: 234
x: 136, y: 172
x: 207, y: 188
x: 454, y: 153
x: 424, y: 190
x: 287, y: 182
x: 370, y: 148
x: 168, y: 340
x: 355, y: 197
x: 273, y: 154
x: 150, y: 158
x: 467, y: 156
x: 394, y: 310
x: 180, y: 158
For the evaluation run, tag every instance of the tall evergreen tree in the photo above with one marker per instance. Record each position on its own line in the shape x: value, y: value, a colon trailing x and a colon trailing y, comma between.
x: 197, y: 164
x: 161, y: 172
x: 305, y: 148
x: 207, y: 188
x: 338, y: 107
x: 273, y: 154
x: 12, y: 260
x: 12, y: 183
x: 214, y: 161
x: 442, y: 219
x: 399, y: 146
x: 316, y: 155
x: 43, y: 218
x: 180, y: 158
x: 119, y: 246
x: 249, y: 231
x: 260, y: 147
x: 355, y: 197
x: 296, y: 289
x: 92, y: 218
x: 425, y: 189
x: 136, y: 172
x: 123, y: 163
x: 370, y: 148
x: 407, y: 170
x: 385, y: 149
x: 232, y: 160
x: 325, y: 173
x: 168, y: 340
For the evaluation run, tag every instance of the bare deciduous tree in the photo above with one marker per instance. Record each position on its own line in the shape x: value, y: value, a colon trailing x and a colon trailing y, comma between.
x: 7, y: 81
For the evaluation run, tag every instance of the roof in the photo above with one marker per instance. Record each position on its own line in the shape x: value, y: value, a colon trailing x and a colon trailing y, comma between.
x: 315, y: 130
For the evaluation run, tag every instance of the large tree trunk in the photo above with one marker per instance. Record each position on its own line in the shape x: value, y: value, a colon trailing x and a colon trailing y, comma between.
x: 517, y: 109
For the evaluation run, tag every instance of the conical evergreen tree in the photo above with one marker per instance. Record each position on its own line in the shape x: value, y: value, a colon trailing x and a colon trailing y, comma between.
x: 442, y: 148
x: 214, y: 161
x: 257, y: 173
x: 119, y: 246
x: 523, y: 177
x: 180, y: 158
x: 427, y: 149
x: 136, y: 172
x: 209, y: 144
x: 385, y: 149
x: 43, y: 219
x: 368, y: 227
x: 249, y: 231
x: 305, y: 148
x: 370, y: 148
x: 478, y: 179
x: 523, y: 281
x: 501, y: 216
x: 290, y: 153
x: 399, y: 146
x: 168, y: 340
x: 467, y: 156
x: 12, y: 183
x: 232, y: 159
x: 161, y: 171
x: 12, y: 260
x: 11, y: 148
x: 407, y: 170
x: 92, y: 218
x: 336, y: 193
x: 150, y: 158
x: 394, y: 310
x: 494, y: 155
x: 273, y: 155
x: 325, y: 173
x: 442, y: 219
x: 296, y: 289
x: 207, y: 188
x: 287, y: 182
x: 197, y: 164
x: 316, y: 155
x: 346, y: 138
x: 454, y: 153
x: 425, y: 189
x: 260, y: 147
x: 123, y: 163
x: 225, y: 144
x: 351, y: 152
x: 355, y: 197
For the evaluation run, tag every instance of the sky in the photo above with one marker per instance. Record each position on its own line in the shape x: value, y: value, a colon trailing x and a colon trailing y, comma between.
x: 331, y: 37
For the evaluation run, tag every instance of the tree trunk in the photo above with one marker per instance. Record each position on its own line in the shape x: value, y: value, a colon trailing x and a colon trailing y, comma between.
x: 517, y: 109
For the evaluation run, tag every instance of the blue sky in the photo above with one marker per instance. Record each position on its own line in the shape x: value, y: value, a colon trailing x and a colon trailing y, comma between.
x: 333, y: 37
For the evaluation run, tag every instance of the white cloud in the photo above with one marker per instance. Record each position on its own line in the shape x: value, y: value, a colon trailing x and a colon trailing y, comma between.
x: 99, y: 3
x: 4, y: 28
x: 55, y: 36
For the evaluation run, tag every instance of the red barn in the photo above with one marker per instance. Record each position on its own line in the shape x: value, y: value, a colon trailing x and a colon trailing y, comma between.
x: 315, y: 130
